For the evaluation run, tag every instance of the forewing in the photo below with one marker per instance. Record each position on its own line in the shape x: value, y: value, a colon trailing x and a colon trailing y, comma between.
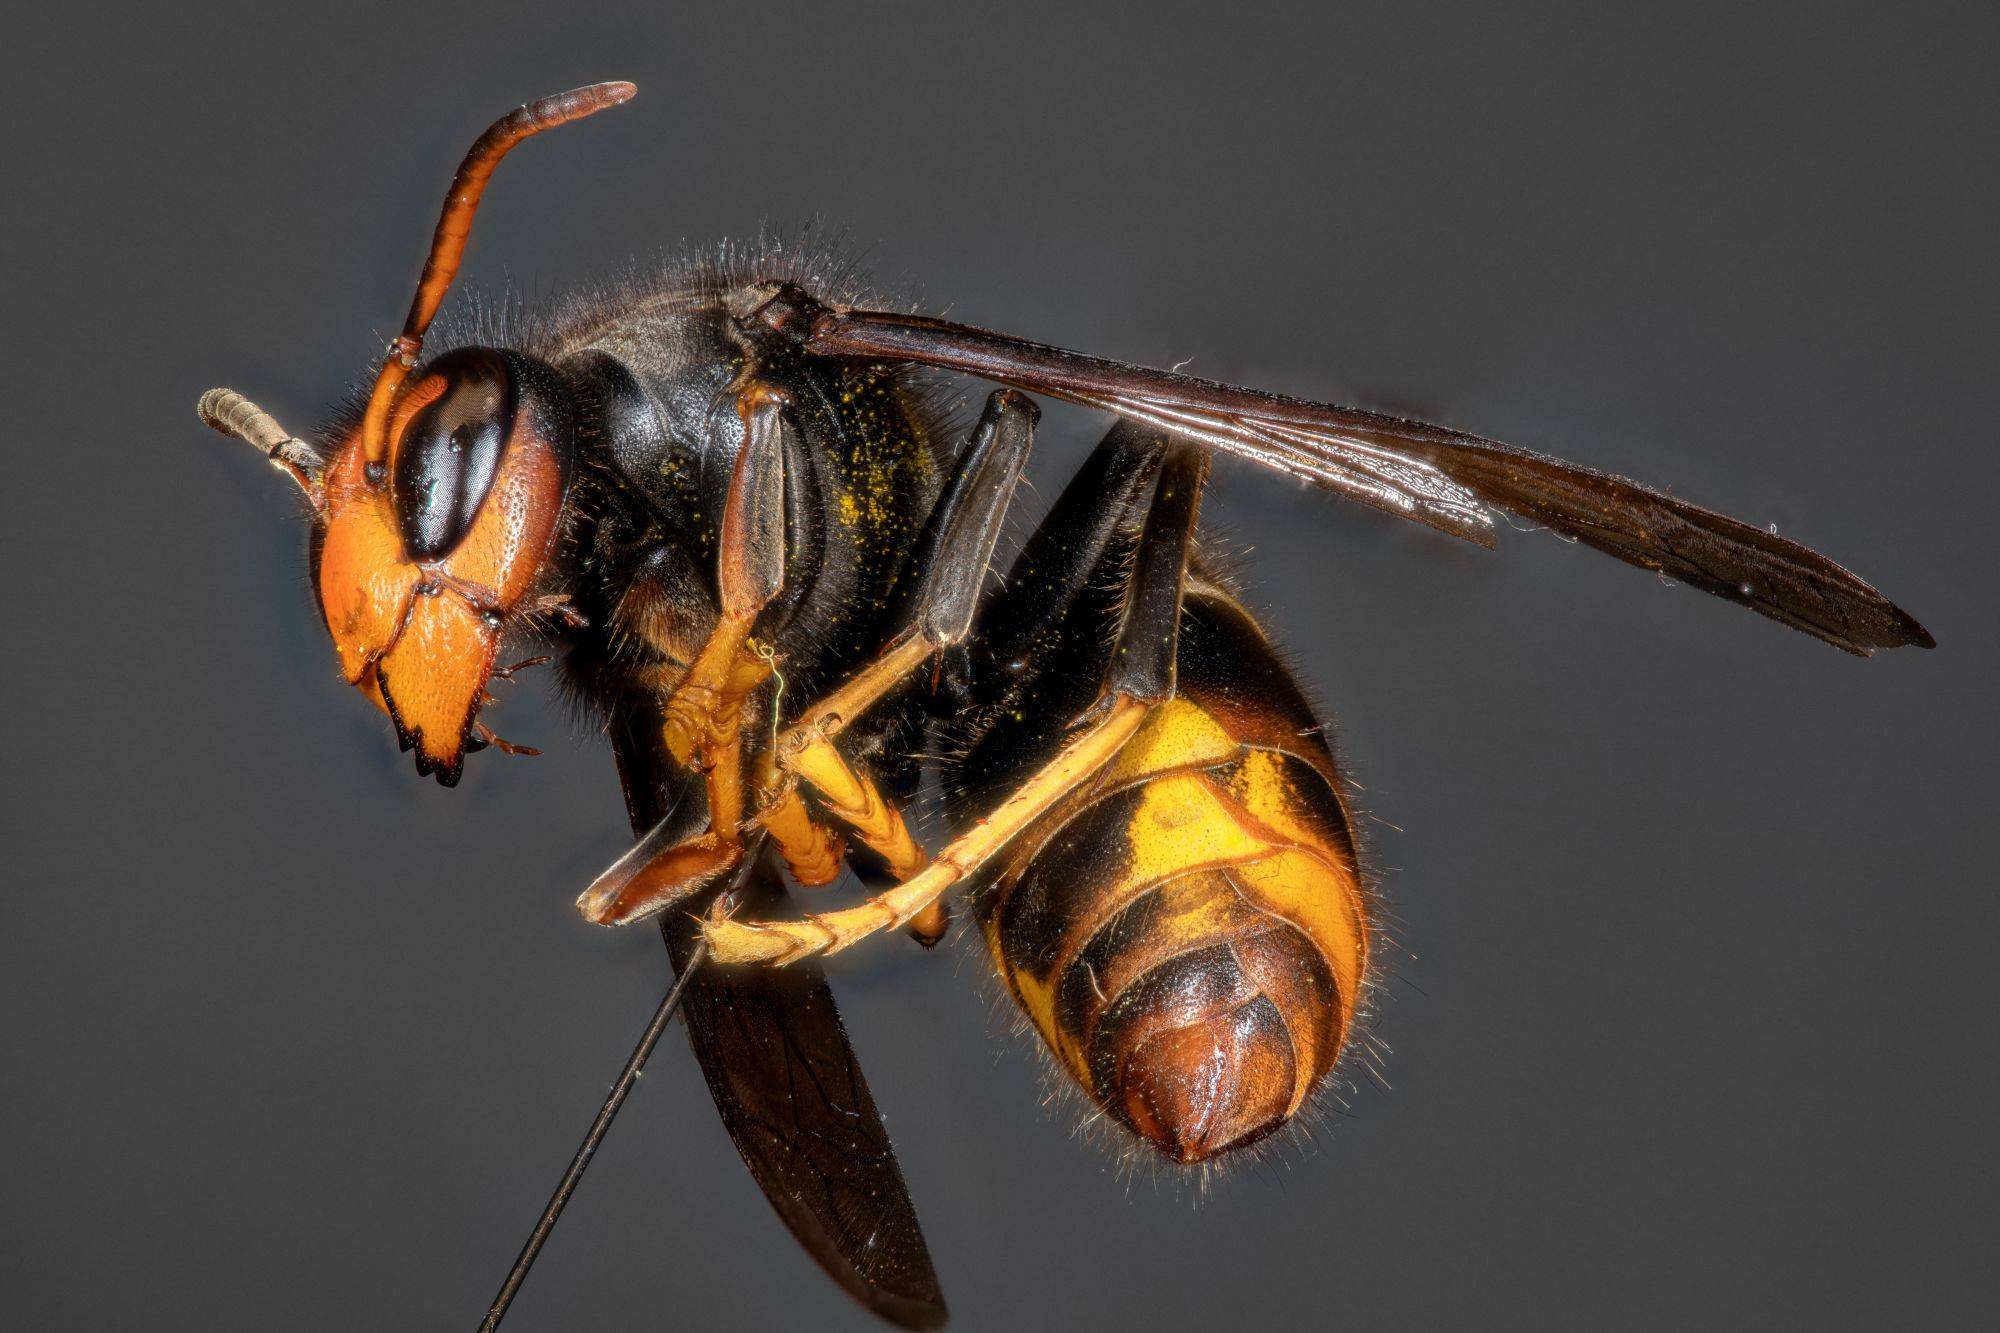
x: 1427, y: 473
x: 1790, y: 583
x: 778, y: 1063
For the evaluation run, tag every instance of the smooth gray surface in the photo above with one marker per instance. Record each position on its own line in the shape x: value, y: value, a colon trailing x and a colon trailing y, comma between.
x: 1701, y: 1022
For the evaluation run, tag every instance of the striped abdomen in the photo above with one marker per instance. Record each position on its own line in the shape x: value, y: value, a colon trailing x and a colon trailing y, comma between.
x: 1190, y: 932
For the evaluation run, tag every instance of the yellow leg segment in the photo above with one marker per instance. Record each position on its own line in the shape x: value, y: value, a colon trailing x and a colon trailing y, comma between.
x: 855, y: 695
x: 704, y: 722
x: 807, y: 752
x: 858, y: 803
x: 812, y: 851
x: 704, y: 725
x: 710, y: 697
x: 780, y: 942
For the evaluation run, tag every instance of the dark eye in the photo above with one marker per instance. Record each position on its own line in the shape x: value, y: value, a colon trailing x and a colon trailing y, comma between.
x: 450, y: 452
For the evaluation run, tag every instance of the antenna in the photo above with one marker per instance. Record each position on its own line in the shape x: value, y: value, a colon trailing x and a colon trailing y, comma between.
x: 454, y: 226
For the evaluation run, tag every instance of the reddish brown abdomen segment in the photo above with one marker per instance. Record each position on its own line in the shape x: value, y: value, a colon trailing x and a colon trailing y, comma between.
x: 1190, y: 933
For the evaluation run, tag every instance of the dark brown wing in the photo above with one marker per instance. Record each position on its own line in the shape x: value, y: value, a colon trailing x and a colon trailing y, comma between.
x: 1423, y: 472
x: 790, y: 1091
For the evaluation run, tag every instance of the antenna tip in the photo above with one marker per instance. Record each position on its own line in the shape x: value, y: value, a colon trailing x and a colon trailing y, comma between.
x: 562, y: 108
x: 608, y: 94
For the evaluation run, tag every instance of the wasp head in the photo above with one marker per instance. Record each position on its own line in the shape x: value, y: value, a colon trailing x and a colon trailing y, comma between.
x: 435, y: 516
x: 422, y: 556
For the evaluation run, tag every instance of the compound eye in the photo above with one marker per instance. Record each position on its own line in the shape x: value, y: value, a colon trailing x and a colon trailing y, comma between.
x: 450, y: 452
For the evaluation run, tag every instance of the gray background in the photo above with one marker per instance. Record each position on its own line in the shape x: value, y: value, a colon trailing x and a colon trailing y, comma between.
x: 1697, y: 1022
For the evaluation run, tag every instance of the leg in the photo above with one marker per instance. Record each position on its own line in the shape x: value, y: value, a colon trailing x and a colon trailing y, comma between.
x: 1140, y: 676
x: 812, y: 852
x: 1064, y: 557
x: 751, y: 572
x: 952, y: 558
x: 704, y: 715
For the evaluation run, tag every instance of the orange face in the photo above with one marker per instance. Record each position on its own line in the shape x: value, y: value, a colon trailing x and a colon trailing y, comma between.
x: 425, y: 554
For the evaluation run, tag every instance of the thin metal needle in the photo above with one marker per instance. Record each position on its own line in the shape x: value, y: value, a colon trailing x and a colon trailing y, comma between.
x: 581, y: 1162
